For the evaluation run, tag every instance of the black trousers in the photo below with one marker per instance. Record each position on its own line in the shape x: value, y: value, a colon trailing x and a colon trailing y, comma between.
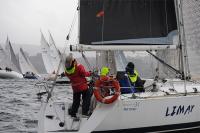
x: 86, y: 97
x: 139, y: 84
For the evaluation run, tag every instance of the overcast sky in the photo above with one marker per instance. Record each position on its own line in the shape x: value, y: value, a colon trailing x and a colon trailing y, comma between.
x: 22, y: 20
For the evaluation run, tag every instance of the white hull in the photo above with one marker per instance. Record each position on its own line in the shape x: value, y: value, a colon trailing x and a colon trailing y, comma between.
x: 149, y: 112
x: 10, y: 75
x: 62, y: 80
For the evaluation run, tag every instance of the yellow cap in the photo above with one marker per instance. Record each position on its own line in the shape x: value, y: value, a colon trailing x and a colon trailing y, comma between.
x: 104, y: 71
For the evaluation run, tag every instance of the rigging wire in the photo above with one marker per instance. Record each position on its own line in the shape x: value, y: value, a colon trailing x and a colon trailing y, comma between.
x: 73, y: 23
x: 178, y: 72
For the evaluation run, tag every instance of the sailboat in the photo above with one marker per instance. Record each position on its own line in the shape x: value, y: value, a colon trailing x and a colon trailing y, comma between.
x: 45, y: 50
x: 113, y: 26
x: 27, y: 68
x: 9, y: 64
x: 51, y: 57
x: 56, y: 58
x: 55, y: 54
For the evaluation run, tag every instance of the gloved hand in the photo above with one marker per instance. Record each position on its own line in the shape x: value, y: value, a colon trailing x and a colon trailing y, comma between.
x: 94, y: 73
x: 62, y: 74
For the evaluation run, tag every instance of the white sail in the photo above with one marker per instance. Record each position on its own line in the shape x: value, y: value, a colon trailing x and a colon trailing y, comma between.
x: 25, y: 63
x: 55, y: 55
x: 6, y: 63
x: 11, y: 56
x: 4, y: 60
x: 191, y: 13
x: 45, y: 49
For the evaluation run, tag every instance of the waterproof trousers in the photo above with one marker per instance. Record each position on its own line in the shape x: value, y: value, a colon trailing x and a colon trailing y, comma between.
x: 86, y: 96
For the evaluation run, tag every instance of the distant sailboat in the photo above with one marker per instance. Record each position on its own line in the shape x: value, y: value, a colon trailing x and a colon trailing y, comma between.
x: 8, y: 70
x: 55, y: 55
x: 11, y: 55
x: 27, y: 68
x: 45, y: 49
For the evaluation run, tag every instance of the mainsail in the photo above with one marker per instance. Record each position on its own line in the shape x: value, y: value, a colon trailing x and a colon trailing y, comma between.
x: 25, y: 63
x: 46, y: 54
x: 122, y: 22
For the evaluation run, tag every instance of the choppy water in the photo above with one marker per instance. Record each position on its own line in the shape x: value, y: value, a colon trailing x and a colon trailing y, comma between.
x: 19, y: 106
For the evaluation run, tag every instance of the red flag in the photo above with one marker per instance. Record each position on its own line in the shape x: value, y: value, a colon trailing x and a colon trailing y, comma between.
x: 100, y: 14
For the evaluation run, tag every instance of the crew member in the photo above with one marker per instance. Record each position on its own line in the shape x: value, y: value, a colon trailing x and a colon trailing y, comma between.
x: 104, y: 73
x: 134, y: 77
x: 77, y: 75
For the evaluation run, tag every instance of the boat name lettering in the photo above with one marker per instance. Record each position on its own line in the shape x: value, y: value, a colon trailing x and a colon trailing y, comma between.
x: 178, y: 110
x: 129, y: 109
x: 130, y: 104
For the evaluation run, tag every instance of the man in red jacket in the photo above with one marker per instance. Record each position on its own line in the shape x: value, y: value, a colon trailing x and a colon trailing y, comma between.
x: 77, y: 73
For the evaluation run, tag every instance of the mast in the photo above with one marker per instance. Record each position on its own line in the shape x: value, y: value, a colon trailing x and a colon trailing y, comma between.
x: 183, y: 50
x: 182, y: 41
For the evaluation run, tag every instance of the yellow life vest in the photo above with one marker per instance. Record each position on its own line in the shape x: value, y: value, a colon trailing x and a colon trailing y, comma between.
x: 134, y: 77
x: 70, y: 71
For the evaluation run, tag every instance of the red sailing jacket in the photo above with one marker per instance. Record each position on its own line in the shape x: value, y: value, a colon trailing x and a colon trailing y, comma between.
x: 78, y: 80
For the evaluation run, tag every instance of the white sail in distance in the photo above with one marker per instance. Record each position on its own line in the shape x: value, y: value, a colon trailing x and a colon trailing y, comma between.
x: 4, y: 60
x: 25, y: 63
x: 45, y: 49
x: 55, y: 55
x: 11, y: 56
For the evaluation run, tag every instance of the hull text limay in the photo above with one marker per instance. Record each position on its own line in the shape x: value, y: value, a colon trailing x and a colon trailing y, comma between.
x: 178, y: 110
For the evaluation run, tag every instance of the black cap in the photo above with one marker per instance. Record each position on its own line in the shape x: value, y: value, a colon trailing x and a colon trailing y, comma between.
x: 131, y: 65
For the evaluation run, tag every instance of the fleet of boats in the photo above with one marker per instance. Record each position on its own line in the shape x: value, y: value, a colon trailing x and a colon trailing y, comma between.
x: 21, y: 67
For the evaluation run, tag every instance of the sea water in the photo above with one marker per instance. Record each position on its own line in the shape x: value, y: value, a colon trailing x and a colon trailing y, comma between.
x: 19, y: 105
